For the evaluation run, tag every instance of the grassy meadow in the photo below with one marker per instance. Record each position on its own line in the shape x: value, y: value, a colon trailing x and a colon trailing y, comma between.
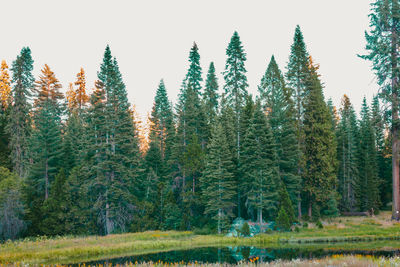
x: 338, y: 233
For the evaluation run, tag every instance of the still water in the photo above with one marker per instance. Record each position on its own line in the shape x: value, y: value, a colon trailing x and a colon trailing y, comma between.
x: 235, y: 254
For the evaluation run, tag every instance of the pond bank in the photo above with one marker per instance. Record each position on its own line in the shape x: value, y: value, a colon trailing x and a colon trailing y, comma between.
x: 66, y: 250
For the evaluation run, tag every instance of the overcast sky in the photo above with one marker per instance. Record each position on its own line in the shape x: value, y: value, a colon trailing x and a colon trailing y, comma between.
x: 151, y: 40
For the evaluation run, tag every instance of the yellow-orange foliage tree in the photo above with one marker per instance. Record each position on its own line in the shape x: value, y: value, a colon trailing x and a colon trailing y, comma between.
x: 5, y: 86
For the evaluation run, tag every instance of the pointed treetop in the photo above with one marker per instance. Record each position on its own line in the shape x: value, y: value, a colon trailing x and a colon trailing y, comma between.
x: 235, y: 72
x: 193, y: 76
x: 48, y: 87
x: 22, y: 70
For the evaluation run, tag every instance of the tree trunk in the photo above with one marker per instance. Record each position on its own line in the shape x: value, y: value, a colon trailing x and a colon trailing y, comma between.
x: 238, y: 157
x: 309, y: 209
x: 395, y: 167
x: 299, y: 205
x: 194, y: 182
x: 395, y: 127
x: 46, y: 177
x: 219, y: 220
x: 108, y: 221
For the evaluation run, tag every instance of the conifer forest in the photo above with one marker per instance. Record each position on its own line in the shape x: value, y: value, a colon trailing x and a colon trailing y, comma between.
x: 77, y: 163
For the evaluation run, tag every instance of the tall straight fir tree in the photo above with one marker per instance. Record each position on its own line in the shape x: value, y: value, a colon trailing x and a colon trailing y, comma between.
x: 383, y: 51
x: 19, y: 125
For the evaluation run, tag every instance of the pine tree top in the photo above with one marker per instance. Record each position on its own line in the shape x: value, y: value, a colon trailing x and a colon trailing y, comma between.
x: 193, y: 76
x: 235, y: 73
x: 22, y: 73
x: 47, y: 87
x: 5, y: 86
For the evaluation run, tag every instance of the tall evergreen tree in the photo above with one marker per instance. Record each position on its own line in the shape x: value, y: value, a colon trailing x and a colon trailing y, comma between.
x: 19, y: 126
x: 281, y: 116
x: 297, y: 76
x: 5, y: 86
x: 383, y: 50
x: 157, y: 159
x: 211, y: 97
x: 11, y: 205
x: 74, y: 138
x: 116, y: 161
x: 218, y: 180
x: 46, y: 144
x: 5, y: 107
x: 193, y: 76
x: 236, y: 88
x: 367, y: 185
x: 162, y: 129
x: 347, y: 140
x: 383, y: 160
x: 320, y: 147
x: 260, y: 168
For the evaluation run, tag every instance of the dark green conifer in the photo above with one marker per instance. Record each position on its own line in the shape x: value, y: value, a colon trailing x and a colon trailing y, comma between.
x: 218, y: 180
x: 320, y: 147
x: 19, y: 125
x: 347, y: 146
x: 210, y: 96
x: 384, y: 53
x: 281, y: 116
x: 367, y: 184
x: 259, y: 167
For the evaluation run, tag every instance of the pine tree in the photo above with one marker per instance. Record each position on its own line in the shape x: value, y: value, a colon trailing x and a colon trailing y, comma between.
x: 283, y: 220
x: 11, y: 205
x: 74, y: 144
x: 281, y: 116
x: 162, y: 129
x: 193, y: 76
x: 5, y: 86
x: 384, y: 166
x: 112, y: 175
x: 5, y: 103
x: 320, y: 147
x: 218, y: 181
x: 158, y: 157
x: 297, y: 76
x: 81, y: 96
x: 19, y: 126
x: 297, y: 72
x: 367, y: 185
x: 259, y: 166
x: 46, y: 136
x: 46, y: 144
x: 347, y: 140
x: 333, y: 114
x: 383, y: 51
x: 285, y: 203
x: 236, y: 88
x: 210, y: 96
x: 55, y: 208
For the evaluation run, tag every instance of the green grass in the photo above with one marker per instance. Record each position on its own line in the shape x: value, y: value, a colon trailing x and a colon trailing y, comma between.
x: 77, y: 249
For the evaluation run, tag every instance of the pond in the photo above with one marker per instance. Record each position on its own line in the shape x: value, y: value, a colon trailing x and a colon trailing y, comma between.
x: 234, y: 255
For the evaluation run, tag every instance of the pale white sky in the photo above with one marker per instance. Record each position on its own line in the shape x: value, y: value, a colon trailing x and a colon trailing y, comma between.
x: 151, y: 39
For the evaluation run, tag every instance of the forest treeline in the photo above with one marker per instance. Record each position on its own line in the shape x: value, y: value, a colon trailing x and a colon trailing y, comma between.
x: 73, y: 164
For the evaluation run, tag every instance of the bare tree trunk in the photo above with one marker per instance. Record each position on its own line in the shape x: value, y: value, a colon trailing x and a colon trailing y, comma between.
x: 219, y: 220
x: 46, y: 177
x: 108, y: 221
x: 238, y: 157
x: 194, y: 182
x: 299, y: 205
x: 395, y: 128
x: 309, y: 209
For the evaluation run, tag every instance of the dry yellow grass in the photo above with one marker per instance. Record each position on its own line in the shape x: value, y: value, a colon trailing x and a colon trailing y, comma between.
x: 79, y: 249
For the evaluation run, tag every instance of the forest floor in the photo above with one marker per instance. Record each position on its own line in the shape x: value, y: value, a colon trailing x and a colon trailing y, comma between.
x: 342, y: 231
